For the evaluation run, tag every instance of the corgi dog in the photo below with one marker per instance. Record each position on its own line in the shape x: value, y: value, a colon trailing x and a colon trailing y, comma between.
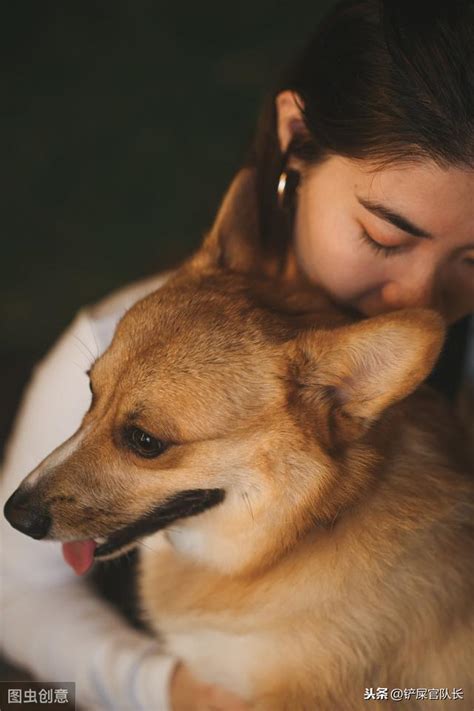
x: 306, y: 501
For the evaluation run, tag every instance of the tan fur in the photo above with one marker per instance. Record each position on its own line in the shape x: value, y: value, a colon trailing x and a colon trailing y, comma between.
x: 341, y: 556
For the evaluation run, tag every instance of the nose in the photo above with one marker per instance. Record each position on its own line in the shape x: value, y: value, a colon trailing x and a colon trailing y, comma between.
x: 409, y: 293
x: 25, y: 516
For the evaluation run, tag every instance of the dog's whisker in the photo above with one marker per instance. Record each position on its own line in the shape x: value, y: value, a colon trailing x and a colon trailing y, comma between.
x: 87, y: 353
x: 335, y: 518
x: 141, y: 543
x: 246, y: 498
x: 96, y: 345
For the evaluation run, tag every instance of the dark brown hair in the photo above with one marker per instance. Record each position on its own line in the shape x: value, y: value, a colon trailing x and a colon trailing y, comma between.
x: 388, y: 80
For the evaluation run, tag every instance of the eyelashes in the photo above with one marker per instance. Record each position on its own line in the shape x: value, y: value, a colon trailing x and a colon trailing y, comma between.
x: 390, y: 251
x: 378, y: 248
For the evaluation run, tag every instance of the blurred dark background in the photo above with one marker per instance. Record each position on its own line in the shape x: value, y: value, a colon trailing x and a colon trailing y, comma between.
x: 121, y: 125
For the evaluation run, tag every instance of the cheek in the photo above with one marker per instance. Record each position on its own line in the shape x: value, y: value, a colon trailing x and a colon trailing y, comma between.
x: 329, y: 252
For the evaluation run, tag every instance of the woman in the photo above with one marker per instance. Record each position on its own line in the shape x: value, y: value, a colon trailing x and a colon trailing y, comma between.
x: 364, y: 164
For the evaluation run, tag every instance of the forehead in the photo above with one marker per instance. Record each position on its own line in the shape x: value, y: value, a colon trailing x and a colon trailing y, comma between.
x: 198, y: 320
x: 193, y: 357
x: 439, y: 200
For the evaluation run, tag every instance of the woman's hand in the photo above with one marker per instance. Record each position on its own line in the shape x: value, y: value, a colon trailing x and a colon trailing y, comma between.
x: 189, y: 694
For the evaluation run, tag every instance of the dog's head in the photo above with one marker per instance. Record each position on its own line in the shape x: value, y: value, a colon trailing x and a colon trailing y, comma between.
x: 225, y: 410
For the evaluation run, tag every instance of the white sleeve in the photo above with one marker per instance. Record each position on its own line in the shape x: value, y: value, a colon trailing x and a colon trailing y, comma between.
x: 53, y: 623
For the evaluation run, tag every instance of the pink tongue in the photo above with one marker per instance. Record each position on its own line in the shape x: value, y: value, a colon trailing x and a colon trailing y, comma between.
x: 79, y: 555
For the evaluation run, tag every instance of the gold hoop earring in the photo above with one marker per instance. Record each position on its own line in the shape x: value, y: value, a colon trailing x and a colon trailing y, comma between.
x: 287, y: 185
x: 282, y: 180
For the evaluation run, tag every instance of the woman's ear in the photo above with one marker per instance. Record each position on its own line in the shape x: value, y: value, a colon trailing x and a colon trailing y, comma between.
x: 290, y: 122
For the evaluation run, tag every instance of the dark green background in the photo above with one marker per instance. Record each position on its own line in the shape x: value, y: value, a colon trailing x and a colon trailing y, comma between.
x: 121, y: 124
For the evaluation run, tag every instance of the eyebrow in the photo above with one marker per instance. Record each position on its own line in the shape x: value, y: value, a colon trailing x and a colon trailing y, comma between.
x: 136, y: 414
x: 394, y: 218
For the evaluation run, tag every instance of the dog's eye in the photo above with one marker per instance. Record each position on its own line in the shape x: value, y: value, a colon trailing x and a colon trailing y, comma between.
x: 144, y: 444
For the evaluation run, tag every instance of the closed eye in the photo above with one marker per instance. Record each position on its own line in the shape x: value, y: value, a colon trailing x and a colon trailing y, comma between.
x: 378, y: 248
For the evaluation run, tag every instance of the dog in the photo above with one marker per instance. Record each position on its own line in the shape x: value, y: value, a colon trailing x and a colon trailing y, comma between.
x: 306, y: 501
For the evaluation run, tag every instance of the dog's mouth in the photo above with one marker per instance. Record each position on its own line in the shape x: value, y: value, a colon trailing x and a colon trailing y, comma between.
x: 82, y: 554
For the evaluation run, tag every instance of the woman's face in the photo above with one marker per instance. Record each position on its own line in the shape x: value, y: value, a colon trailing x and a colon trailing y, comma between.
x: 387, y: 238
x: 378, y: 240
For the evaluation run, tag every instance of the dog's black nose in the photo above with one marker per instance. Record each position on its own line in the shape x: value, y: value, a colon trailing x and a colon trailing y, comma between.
x: 23, y: 515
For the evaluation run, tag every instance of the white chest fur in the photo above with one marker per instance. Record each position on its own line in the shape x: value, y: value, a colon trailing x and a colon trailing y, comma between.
x: 232, y: 660
x: 215, y: 647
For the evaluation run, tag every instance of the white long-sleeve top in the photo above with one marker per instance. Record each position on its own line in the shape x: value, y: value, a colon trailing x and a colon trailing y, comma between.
x: 52, y: 622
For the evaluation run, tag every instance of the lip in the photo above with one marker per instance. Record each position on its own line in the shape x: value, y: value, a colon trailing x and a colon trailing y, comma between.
x: 182, y: 505
x: 109, y: 547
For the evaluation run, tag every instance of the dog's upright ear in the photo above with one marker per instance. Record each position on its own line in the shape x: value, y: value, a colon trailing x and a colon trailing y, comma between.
x: 353, y: 373
x: 233, y: 242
